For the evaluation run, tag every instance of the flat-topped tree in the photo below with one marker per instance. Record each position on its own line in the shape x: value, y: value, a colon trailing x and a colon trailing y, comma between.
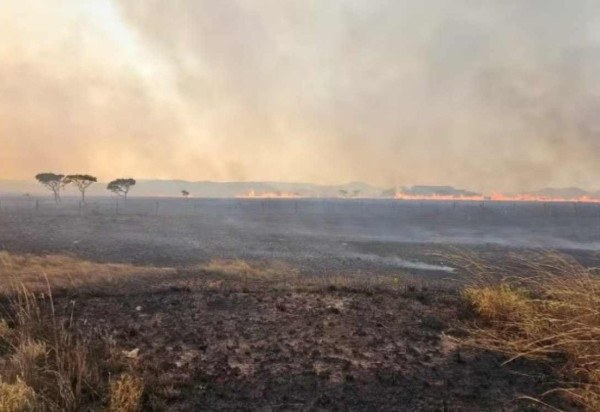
x: 82, y: 182
x: 121, y: 187
x: 52, y: 181
x: 185, y: 193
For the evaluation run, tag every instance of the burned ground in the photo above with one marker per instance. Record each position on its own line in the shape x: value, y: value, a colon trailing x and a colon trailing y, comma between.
x: 220, y: 341
x: 318, y: 236
x: 338, y: 309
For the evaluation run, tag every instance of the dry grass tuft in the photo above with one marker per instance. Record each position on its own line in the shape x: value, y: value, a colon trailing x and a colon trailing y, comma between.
x: 4, y: 329
x: 16, y: 397
x: 63, y: 271
x: 500, y: 303
x: 545, y: 307
x: 126, y: 394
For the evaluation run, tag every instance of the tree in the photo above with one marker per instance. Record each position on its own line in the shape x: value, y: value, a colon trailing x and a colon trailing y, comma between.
x: 185, y: 193
x: 53, y: 182
x: 82, y: 182
x: 343, y: 193
x: 121, y: 186
x: 355, y: 193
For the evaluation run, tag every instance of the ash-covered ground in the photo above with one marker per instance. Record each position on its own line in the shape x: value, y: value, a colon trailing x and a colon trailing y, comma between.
x: 318, y: 236
x: 210, y: 338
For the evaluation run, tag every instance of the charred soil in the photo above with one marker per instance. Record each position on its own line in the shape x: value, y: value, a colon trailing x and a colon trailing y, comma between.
x: 221, y: 341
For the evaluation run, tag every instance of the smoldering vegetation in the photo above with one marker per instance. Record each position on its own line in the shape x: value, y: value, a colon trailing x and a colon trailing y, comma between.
x: 321, y: 234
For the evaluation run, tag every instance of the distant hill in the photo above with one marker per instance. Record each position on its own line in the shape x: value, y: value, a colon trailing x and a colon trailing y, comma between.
x: 563, y: 193
x: 437, y: 191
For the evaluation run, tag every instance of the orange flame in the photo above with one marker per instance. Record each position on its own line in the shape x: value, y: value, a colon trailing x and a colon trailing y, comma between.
x: 404, y: 196
x: 497, y: 197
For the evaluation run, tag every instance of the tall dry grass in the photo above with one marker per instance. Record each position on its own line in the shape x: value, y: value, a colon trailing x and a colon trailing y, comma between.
x: 542, y: 306
x: 46, y: 362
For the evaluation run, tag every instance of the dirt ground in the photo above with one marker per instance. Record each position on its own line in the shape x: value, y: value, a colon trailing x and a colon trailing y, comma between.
x: 217, y: 340
x: 343, y: 324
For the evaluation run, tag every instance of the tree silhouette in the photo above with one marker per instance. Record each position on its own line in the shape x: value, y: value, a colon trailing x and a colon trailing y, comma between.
x: 53, y: 182
x: 343, y: 193
x: 82, y: 182
x: 185, y: 193
x: 121, y: 187
x: 355, y: 193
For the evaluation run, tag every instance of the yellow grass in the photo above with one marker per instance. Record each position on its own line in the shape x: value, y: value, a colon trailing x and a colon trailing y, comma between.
x: 126, y: 394
x: 256, y: 270
x: 45, y: 362
x: 45, y: 359
x: 16, y: 397
x: 283, y: 275
x: 63, y: 272
x: 500, y: 303
x: 544, y: 307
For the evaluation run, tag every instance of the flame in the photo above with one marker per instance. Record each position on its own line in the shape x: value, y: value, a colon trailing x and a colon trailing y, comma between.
x: 252, y: 194
x: 498, y: 197
x: 404, y: 196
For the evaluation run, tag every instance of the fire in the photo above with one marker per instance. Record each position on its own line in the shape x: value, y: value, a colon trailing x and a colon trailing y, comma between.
x: 405, y: 196
x: 497, y: 197
x: 252, y: 194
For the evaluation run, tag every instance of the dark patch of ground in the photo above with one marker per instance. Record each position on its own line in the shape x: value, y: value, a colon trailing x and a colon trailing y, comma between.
x: 214, y: 342
x: 338, y: 238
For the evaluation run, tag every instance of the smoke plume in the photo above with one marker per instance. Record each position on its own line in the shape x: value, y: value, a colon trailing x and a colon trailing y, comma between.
x: 487, y: 95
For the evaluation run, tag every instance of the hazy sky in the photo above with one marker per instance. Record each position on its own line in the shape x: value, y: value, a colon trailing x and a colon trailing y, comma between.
x: 484, y: 94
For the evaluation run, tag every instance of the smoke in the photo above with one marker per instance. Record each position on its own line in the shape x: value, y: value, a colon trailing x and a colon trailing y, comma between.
x: 485, y: 95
